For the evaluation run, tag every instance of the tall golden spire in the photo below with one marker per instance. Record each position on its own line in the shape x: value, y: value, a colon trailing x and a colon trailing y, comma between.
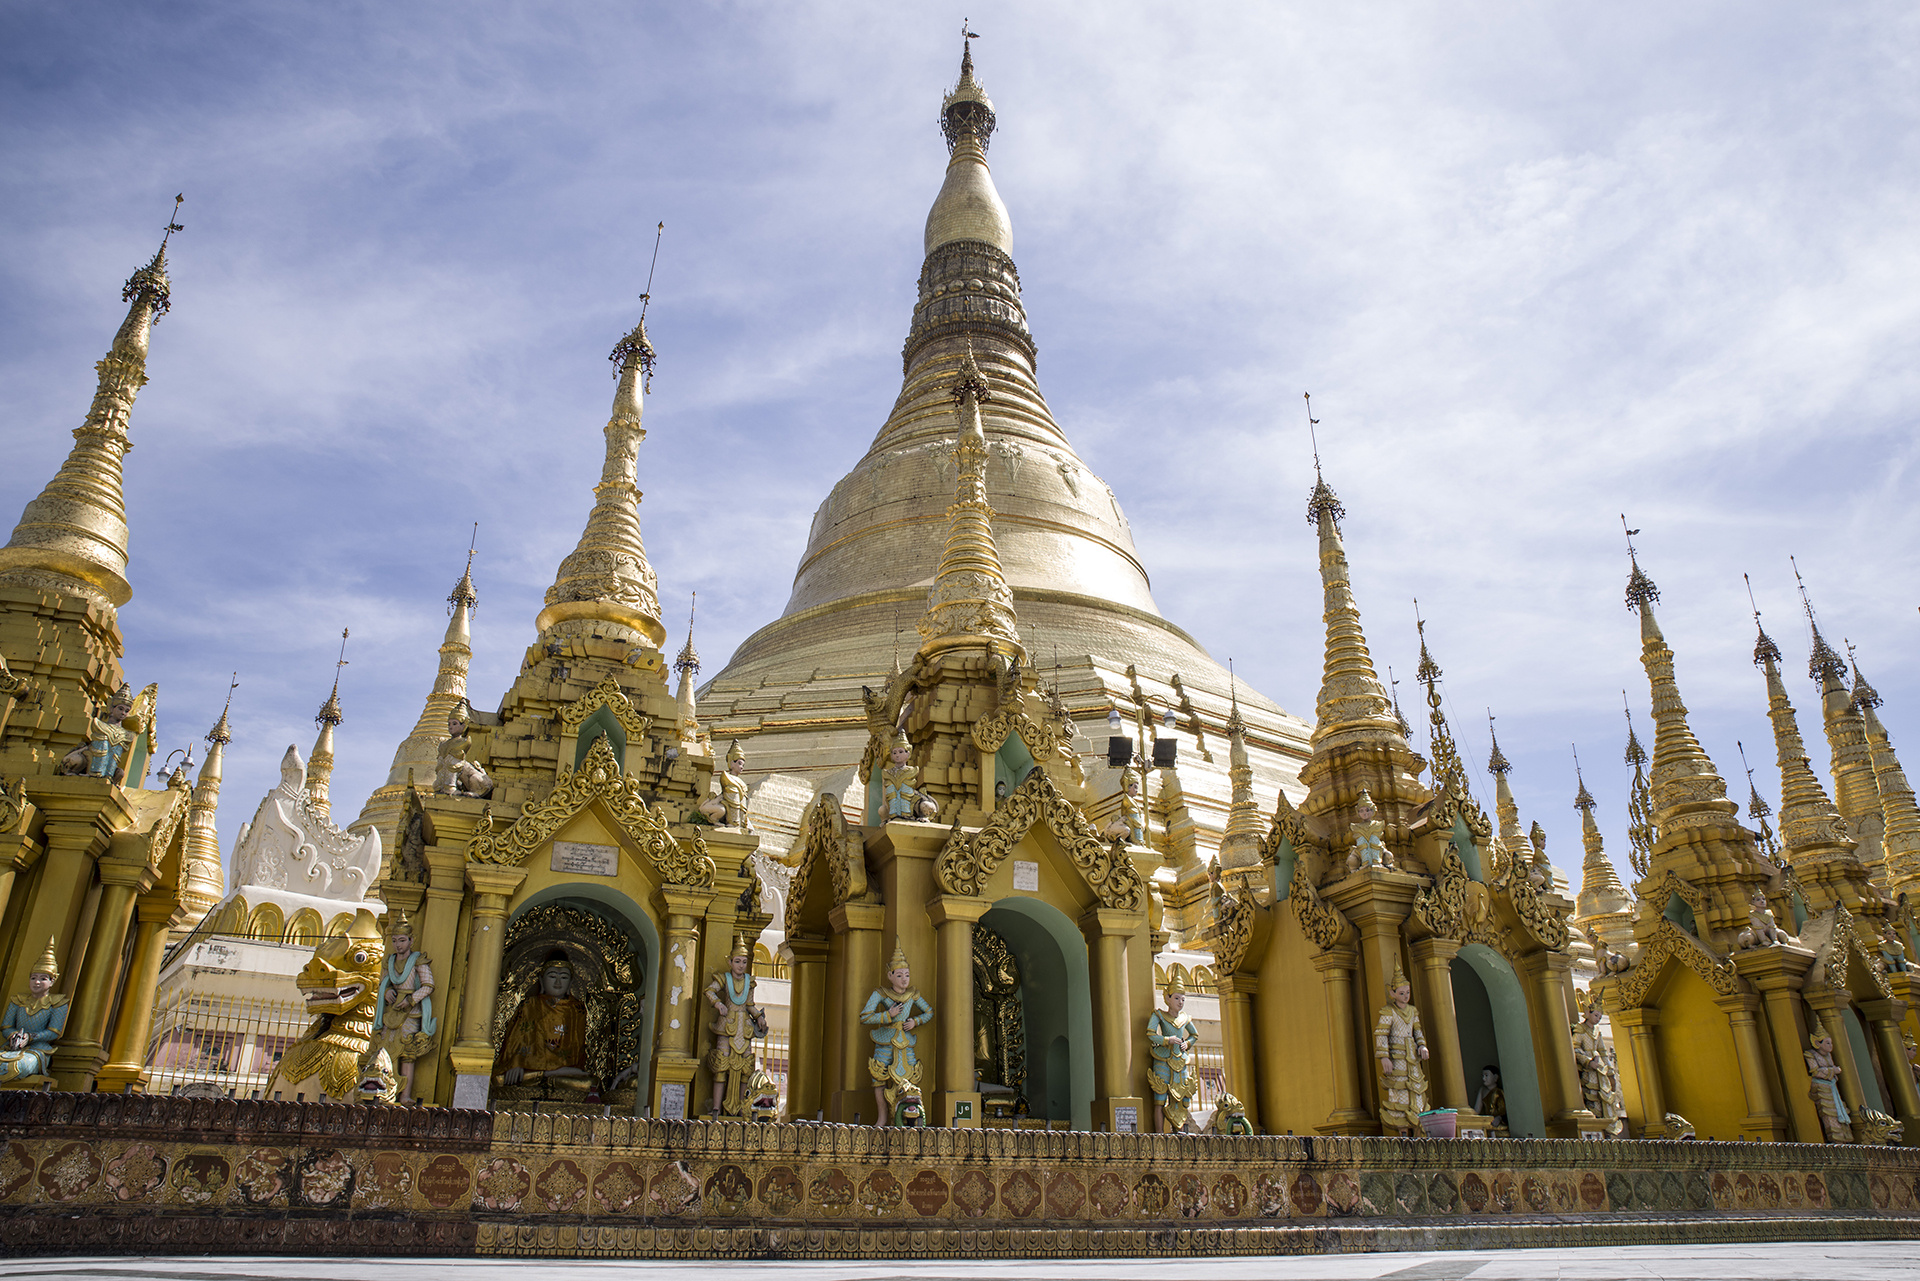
x: 968, y: 207
x: 1352, y: 706
x: 1687, y: 791
x: 73, y: 537
x: 606, y: 580
x: 1240, y: 844
x: 202, y: 873
x: 1854, y: 791
x: 1811, y: 828
x: 970, y: 599
x: 419, y: 751
x: 1504, y: 806
x: 1901, y: 833
x: 320, y: 765
x: 1601, y: 892
x: 1448, y: 772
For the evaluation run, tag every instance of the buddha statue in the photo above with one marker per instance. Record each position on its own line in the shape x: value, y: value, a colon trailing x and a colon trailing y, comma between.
x: 545, y: 1047
x: 1490, y: 1100
x: 34, y: 1021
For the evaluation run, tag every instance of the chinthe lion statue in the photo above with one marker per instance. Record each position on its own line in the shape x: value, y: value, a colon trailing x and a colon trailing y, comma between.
x: 340, y: 985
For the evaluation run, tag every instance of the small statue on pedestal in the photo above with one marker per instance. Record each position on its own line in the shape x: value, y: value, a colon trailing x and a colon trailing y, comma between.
x: 894, y: 1010
x: 739, y: 1023
x: 1824, y: 1088
x: 1369, y: 845
x: 454, y: 774
x: 1400, y: 1046
x: 1230, y: 1117
x: 1491, y: 1100
x: 546, y: 1043
x: 34, y: 1021
x: 733, y: 789
x: 900, y: 784
x: 108, y: 737
x: 1599, y: 1082
x: 1171, y: 1040
x: 404, y: 1012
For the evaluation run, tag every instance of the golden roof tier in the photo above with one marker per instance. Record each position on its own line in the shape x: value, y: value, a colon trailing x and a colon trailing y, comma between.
x: 1080, y: 592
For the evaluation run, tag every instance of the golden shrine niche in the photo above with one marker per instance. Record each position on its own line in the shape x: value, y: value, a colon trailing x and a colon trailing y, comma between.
x: 999, y: 1021
x: 606, y: 979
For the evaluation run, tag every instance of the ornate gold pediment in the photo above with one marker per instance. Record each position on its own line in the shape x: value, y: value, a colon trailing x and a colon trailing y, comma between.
x: 967, y: 861
x: 824, y: 839
x: 1041, y: 740
x: 609, y: 695
x: 599, y: 778
x: 1671, y: 943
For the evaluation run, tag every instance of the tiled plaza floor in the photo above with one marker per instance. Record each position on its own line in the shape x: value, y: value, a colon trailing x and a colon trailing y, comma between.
x: 1862, y: 1261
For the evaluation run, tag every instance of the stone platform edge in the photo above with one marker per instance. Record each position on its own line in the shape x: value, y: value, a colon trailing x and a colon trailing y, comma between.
x: 88, y: 1173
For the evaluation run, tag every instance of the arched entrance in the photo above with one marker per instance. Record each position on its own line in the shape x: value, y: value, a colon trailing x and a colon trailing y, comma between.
x: 1057, y: 1007
x: 1490, y: 1009
x: 614, y: 946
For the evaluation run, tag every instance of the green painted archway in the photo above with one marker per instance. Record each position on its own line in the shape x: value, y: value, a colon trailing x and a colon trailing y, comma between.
x: 1058, y: 999
x: 1490, y: 1007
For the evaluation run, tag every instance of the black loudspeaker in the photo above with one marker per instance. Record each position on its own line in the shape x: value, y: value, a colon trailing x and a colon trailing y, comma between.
x: 1119, y: 751
x: 1166, y: 753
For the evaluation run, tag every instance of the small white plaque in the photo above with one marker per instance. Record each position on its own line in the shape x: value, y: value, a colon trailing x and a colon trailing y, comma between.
x: 579, y: 859
x: 673, y: 1100
x: 1126, y: 1120
x: 1026, y: 876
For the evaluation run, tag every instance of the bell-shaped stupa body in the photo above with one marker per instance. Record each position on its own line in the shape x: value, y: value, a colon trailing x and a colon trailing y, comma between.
x: 1081, y: 594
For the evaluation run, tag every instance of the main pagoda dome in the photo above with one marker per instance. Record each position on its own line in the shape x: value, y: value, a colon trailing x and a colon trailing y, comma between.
x: 791, y: 692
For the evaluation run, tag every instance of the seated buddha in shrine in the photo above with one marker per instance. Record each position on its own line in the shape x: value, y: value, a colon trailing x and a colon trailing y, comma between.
x: 546, y: 1041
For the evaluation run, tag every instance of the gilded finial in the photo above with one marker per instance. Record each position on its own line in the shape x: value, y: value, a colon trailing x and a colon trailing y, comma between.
x: 1583, y: 799
x: 1496, y: 760
x: 1764, y: 650
x: 463, y: 593
x: 967, y: 112
x: 1642, y: 832
x: 1636, y: 754
x: 1865, y: 696
x: 1322, y: 503
x: 689, y: 660
x: 150, y: 282
x: 1406, y: 730
x: 1640, y: 589
x: 1823, y: 665
x: 1447, y: 769
x: 635, y: 346
x: 329, y: 713
x: 970, y: 381
x: 1235, y: 723
x: 220, y: 734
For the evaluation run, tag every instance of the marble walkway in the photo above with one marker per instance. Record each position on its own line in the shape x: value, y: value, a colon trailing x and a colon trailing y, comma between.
x: 1825, y: 1261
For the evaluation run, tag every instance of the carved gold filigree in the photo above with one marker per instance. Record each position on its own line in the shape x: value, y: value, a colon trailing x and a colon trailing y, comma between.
x: 609, y: 695
x: 1323, y: 925
x: 1442, y: 907
x: 1671, y: 943
x: 1041, y: 740
x: 160, y: 836
x: 1831, y: 960
x: 1657, y: 890
x: 1547, y: 925
x: 1232, y: 930
x: 599, y: 778
x: 1287, y: 828
x: 966, y: 862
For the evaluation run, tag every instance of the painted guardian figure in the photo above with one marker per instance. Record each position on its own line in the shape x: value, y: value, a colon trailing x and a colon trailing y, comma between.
x: 1171, y: 1040
x: 892, y: 1013
x: 738, y: 1023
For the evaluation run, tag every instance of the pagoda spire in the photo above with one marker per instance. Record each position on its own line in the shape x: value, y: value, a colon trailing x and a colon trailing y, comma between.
x: 1850, y: 757
x: 73, y: 538
x: 688, y: 665
x: 1505, y: 808
x: 1601, y: 891
x: 320, y: 764
x: 1448, y: 772
x: 419, y: 751
x: 1811, y: 827
x: 970, y: 600
x: 606, y: 580
x: 1901, y: 834
x: 1687, y: 791
x: 968, y: 207
x: 202, y: 873
x: 1240, y: 844
x: 1352, y: 707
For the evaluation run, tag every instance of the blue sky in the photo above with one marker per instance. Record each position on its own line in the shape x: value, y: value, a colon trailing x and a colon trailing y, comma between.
x: 1539, y: 265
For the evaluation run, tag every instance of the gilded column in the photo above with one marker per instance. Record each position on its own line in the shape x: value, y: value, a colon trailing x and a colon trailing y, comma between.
x: 1433, y: 967
x: 1764, y: 1121
x: 1561, y: 1100
x: 1884, y: 1016
x: 80, y: 1054
x: 1643, y: 1052
x: 957, y: 1102
x: 1107, y: 931
x: 807, y: 1042
x: 1777, y: 972
x: 53, y: 901
x: 472, y: 1055
x: 1236, y: 1032
x: 127, y: 1063
x: 860, y: 923
x: 675, y: 1022
x: 1349, y: 1116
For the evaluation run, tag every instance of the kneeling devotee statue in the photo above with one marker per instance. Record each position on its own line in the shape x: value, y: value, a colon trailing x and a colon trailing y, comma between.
x: 546, y: 1042
x: 34, y: 1020
x: 739, y: 1021
x: 1171, y: 1041
x: 1401, y: 1047
x: 892, y: 1013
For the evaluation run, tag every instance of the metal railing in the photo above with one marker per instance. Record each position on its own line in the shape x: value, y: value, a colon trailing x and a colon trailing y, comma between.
x: 229, y: 1042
